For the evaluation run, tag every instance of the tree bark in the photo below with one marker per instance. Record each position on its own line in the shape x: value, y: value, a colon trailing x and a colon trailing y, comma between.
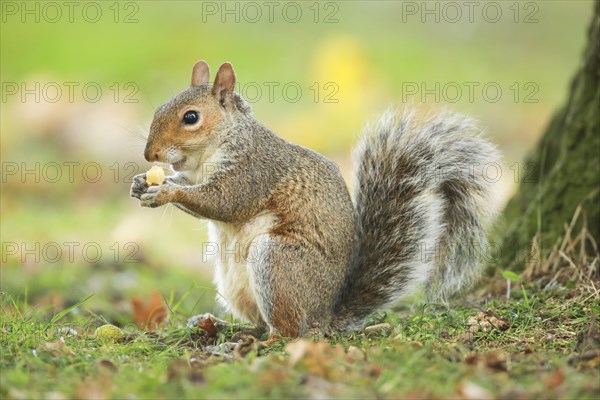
x: 563, y: 171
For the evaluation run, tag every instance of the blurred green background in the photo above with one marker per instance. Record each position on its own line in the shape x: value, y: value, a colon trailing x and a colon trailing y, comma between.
x: 80, y: 85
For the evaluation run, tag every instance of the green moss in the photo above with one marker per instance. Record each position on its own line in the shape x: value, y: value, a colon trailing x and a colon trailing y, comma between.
x: 566, y: 168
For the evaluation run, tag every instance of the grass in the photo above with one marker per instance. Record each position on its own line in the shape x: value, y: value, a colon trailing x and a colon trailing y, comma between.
x: 544, y: 348
x: 538, y: 339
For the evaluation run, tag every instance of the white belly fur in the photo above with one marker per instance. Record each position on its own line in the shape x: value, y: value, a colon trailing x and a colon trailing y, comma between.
x: 233, y: 271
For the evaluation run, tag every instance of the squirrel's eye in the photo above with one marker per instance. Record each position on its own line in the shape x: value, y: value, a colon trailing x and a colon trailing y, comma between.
x: 191, y: 117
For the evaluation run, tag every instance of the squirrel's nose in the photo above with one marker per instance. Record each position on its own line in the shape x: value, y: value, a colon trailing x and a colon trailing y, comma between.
x: 150, y: 155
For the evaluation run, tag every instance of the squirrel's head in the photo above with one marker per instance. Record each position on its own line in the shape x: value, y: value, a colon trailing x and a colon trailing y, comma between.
x: 186, y: 129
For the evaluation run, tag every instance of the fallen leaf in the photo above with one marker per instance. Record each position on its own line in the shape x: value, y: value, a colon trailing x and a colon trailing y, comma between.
x: 466, y: 337
x: 206, y: 358
x: 318, y: 358
x: 107, y: 366
x: 95, y: 389
x: 222, y: 349
x: 209, y: 327
x: 374, y: 370
x: 472, y: 391
x: 589, y: 359
x: 245, y: 345
x: 271, y: 340
x: 383, y: 328
x: 151, y: 314
x: 268, y: 373
x: 297, y: 350
x: 183, y: 370
x: 58, y: 332
x: 355, y: 354
x: 486, y: 321
x: 58, y: 348
x: 494, y: 361
x: 555, y: 379
x: 320, y: 388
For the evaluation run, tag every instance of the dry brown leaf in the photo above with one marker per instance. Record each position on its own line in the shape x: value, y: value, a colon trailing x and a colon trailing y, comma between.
x: 319, y: 388
x: 466, y: 338
x: 183, y: 370
x: 555, y: 379
x: 486, y: 321
x: 271, y: 340
x: 245, y: 345
x: 383, y: 328
x: 201, y: 359
x: 58, y: 348
x: 268, y: 374
x: 151, y: 314
x: 494, y: 361
x: 95, y: 389
x: 355, y: 354
x: 209, y: 327
x: 589, y: 359
x: 472, y: 391
x: 374, y: 370
x: 107, y: 366
x: 297, y: 350
x: 319, y: 358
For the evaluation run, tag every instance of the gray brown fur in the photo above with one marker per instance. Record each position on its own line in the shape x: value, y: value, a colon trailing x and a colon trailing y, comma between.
x: 322, y: 261
x: 423, y: 203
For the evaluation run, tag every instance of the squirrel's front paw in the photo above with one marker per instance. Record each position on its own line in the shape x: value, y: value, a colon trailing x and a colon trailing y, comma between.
x: 138, y: 186
x: 156, y: 196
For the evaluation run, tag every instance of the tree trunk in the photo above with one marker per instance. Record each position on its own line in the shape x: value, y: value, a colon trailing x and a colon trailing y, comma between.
x: 563, y: 171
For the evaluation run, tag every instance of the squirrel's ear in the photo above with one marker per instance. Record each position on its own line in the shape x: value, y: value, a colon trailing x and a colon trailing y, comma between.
x: 200, y: 73
x: 224, y: 83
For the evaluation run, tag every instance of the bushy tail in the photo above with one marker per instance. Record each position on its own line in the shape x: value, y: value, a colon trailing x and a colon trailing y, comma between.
x: 423, y: 200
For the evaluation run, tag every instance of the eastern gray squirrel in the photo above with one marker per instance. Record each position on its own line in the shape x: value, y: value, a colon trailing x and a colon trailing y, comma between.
x: 294, y: 252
